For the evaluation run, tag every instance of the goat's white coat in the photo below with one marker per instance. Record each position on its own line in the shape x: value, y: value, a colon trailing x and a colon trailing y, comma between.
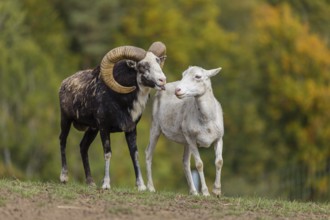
x: 194, y: 119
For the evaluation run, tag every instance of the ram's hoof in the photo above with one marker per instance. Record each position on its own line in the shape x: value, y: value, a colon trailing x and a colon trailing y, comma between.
x: 106, y: 186
x: 64, y: 178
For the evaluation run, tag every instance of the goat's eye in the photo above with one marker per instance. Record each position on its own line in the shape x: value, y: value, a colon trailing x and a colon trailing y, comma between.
x: 158, y: 60
x: 198, y: 77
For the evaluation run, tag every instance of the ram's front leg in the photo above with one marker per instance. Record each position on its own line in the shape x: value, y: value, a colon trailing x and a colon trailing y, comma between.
x: 105, y: 137
x: 131, y: 142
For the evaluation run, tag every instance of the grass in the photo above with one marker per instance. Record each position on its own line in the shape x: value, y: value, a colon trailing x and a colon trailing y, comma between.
x: 119, y: 202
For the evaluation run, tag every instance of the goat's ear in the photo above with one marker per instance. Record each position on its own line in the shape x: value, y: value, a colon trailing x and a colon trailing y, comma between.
x: 131, y: 64
x: 213, y: 72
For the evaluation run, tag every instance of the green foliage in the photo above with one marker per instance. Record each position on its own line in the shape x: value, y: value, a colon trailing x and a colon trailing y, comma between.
x: 312, y: 13
x: 294, y: 81
x: 33, y: 58
x: 274, y: 86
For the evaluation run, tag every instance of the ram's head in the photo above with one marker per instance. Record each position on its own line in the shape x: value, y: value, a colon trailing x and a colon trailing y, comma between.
x: 147, y: 63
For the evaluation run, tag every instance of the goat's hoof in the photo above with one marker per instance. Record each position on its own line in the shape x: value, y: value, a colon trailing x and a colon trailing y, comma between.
x: 205, y: 192
x: 142, y: 188
x: 151, y: 189
x: 217, y: 192
x: 193, y: 193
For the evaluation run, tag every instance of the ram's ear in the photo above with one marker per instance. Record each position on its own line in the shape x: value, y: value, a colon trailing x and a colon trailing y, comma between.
x: 132, y: 64
x: 162, y: 58
x: 213, y: 72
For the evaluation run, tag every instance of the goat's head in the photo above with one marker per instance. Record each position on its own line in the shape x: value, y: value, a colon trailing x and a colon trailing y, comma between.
x: 147, y: 64
x: 195, y: 82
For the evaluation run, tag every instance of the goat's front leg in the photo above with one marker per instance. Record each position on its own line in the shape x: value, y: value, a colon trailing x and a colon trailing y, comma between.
x: 199, y: 165
x: 218, y: 165
x: 105, y: 137
x: 187, y: 170
x: 154, y: 135
x: 131, y: 142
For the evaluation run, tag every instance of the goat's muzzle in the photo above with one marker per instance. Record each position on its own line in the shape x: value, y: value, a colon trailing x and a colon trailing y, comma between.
x: 178, y: 93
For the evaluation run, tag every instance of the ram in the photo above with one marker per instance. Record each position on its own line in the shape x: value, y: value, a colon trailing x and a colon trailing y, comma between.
x: 192, y: 118
x: 110, y: 98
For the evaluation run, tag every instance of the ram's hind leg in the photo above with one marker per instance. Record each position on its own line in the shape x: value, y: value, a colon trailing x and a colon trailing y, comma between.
x: 65, y: 129
x: 105, y: 137
x: 85, y: 143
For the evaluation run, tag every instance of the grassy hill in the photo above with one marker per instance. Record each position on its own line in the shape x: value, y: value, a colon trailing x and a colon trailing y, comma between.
x: 37, y: 200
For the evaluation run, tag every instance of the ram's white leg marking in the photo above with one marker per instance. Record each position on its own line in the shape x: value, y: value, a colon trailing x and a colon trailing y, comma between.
x: 139, y: 181
x: 64, y: 175
x: 106, y: 180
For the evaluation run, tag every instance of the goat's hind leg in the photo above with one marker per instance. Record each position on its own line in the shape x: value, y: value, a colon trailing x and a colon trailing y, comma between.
x: 85, y: 143
x: 199, y: 165
x: 154, y: 135
x: 65, y: 129
x: 131, y: 142
x: 218, y: 165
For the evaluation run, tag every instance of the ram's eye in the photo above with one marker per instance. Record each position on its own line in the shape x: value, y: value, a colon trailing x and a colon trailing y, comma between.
x: 198, y: 77
x: 143, y: 67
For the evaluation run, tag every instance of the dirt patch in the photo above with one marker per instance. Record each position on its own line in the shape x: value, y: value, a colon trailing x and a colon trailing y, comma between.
x: 45, y: 207
x: 34, y: 201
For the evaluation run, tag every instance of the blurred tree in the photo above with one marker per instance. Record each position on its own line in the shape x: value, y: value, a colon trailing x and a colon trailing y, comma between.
x: 253, y: 152
x: 313, y: 13
x: 293, y: 90
x: 90, y: 26
x: 244, y: 148
x: 113, y: 23
x: 33, y: 55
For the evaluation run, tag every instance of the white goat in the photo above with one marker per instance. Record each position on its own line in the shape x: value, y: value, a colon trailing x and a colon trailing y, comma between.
x: 193, y: 119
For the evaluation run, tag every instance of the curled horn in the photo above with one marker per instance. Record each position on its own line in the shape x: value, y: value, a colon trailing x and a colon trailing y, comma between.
x: 109, y: 61
x: 159, y: 49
